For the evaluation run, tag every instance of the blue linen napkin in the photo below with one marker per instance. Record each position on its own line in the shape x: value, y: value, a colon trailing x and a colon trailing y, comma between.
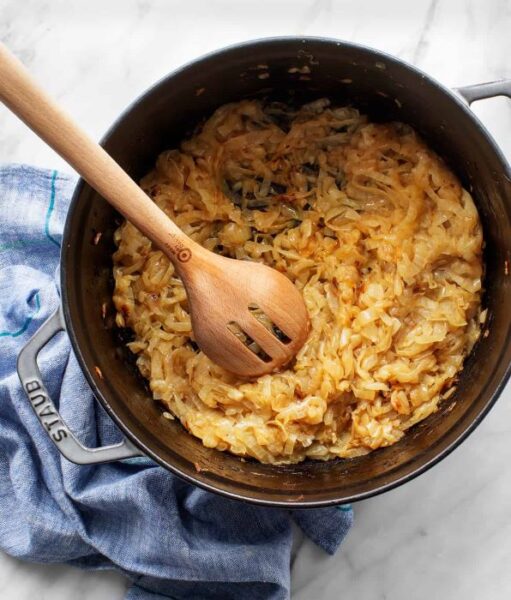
x: 171, y: 539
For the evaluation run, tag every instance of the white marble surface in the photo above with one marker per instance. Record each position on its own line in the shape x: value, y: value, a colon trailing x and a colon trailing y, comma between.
x: 447, y: 534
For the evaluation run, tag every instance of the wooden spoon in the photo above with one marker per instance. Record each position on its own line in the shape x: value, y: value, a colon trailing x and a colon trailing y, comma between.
x: 220, y: 290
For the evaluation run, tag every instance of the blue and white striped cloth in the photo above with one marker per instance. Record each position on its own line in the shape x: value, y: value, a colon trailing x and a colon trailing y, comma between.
x: 171, y: 539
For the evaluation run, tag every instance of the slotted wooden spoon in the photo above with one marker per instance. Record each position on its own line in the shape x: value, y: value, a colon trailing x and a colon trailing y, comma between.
x: 220, y: 290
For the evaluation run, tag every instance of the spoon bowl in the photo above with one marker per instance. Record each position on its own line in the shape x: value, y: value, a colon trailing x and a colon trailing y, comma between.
x: 227, y: 333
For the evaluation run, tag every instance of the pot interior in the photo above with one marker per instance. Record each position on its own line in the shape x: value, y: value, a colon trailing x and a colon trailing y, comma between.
x: 385, y: 89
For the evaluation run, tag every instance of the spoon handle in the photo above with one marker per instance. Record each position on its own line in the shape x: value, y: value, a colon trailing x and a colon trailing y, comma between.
x: 23, y: 96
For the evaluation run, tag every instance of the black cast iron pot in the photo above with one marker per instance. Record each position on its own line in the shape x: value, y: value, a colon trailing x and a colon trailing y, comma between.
x: 386, y: 89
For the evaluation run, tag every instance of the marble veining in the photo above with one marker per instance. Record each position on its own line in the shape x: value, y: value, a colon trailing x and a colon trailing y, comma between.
x: 423, y: 41
x: 444, y: 535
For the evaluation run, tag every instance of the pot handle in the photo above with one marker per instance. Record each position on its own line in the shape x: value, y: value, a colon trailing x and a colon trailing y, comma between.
x: 47, y: 413
x: 480, y: 91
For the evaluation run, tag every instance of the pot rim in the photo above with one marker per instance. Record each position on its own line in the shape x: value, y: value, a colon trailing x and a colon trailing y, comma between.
x: 66, y: 242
